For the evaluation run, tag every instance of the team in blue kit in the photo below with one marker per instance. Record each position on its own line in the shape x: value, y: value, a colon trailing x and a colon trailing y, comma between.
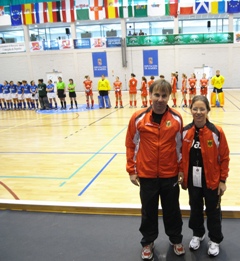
x: 22, y: 95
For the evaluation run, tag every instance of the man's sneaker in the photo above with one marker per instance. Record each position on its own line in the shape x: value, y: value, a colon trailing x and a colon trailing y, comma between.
x: 147, y: 252
x: 195, y: 242
x: 178, y: 249
x: 213, y: 249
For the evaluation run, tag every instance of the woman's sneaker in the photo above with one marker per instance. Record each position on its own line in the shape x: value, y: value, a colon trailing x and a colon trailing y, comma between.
x: 213, y: 249
x: 195, y: 242
x: 147, y: 252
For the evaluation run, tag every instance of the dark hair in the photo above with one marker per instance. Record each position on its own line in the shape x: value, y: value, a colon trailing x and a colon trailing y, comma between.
x: 201, y: 98
x: 133, y: 75
x: 70, y: 80
x: 152, y: 77
x: 40, y: 80
x: 161, y: 76
x: 144, y: 79
x: 161, y: 85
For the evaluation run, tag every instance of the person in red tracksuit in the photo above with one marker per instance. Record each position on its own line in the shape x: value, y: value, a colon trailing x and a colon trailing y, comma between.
x: 192, y: 81
x: 118, y: 92
x: 184, y: 89
x: 88, y: 91
x: 150, y: 82
x: 204, y: 85
x: 132, y: 84
x: 205, y: 164
x: 144, y: 92
x: 174, y: 89
x: 153, y: 150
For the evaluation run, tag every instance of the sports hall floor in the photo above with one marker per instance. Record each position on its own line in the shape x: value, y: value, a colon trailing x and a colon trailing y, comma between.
x: 77, y: 158
x: 74, y: 162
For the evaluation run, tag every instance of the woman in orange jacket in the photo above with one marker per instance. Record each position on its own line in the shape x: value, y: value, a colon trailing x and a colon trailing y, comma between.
x: 205, y: 161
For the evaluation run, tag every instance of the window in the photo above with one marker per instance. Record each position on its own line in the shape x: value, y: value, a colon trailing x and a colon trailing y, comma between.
x: 12, y: 36
x: 150, y: 28
x: 99, y: 30
x: 203, y: 26
x: 236, y: 24
x: 50, y: 33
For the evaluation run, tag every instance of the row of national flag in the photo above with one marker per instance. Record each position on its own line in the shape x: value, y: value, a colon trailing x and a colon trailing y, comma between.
x: 73, y: 10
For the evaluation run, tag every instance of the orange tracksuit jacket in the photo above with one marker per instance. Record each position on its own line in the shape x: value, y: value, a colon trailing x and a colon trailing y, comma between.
x: 215, y: 153
x: 154, y: 150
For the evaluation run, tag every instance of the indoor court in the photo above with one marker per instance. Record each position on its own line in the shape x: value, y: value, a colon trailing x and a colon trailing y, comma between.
x: 74, y: 161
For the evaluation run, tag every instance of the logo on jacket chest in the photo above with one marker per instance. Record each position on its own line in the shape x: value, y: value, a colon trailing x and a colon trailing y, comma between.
x: 168, y: 124
x: 209, y: 143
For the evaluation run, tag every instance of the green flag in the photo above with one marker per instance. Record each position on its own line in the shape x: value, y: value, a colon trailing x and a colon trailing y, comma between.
x: 125, y: 8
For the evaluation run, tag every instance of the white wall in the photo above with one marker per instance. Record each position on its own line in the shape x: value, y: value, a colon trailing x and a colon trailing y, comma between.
x: 78, y: 63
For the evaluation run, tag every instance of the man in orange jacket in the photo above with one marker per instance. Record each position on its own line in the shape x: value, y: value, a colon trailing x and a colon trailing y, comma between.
x: 153, y: 148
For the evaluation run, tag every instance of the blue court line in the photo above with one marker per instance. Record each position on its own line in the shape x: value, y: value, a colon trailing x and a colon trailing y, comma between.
x: 95, y: 154
x: 86, y: 187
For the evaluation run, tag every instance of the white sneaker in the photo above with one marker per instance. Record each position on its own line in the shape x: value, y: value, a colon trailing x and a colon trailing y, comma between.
x: 213, y: 249
x: 147, y: 252
x: 195, y: 242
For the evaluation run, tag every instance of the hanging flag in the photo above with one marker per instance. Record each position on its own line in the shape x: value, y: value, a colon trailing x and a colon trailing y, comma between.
x: 171, y: 7
x: 186, y: 7
x: 111, y: 9
x: 53, y: 11
x: 156, y: 8
x: 68, y: 11
x: 125, y: 8
x: 41, y: 13
x: 201, y: 7
x: 3, y: 10
x: 5, y: 18
x: 82, y: 9
x: 233, y: 7
x: 218, y: 7
x: 16, y: 18
x: 96, y: 10
x: 140, y: 8
x: 140, y: 11
x: 28, y: 14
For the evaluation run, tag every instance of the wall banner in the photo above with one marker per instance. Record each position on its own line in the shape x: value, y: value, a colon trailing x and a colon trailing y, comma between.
x: 82, y: 43
x: 180, y: 39
x: 113, y: 42
x: 150, y: 63
x: 51, y: 45
x: 36, y: 46
x: 12, y: 47
x: 99, y: 64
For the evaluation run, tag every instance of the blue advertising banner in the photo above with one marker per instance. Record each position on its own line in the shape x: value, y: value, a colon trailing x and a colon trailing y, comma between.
x: 150, y: 63
x: 82, y: 43
x: 51, y: 45
x: 99, y: 64
x: 113, y: 42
